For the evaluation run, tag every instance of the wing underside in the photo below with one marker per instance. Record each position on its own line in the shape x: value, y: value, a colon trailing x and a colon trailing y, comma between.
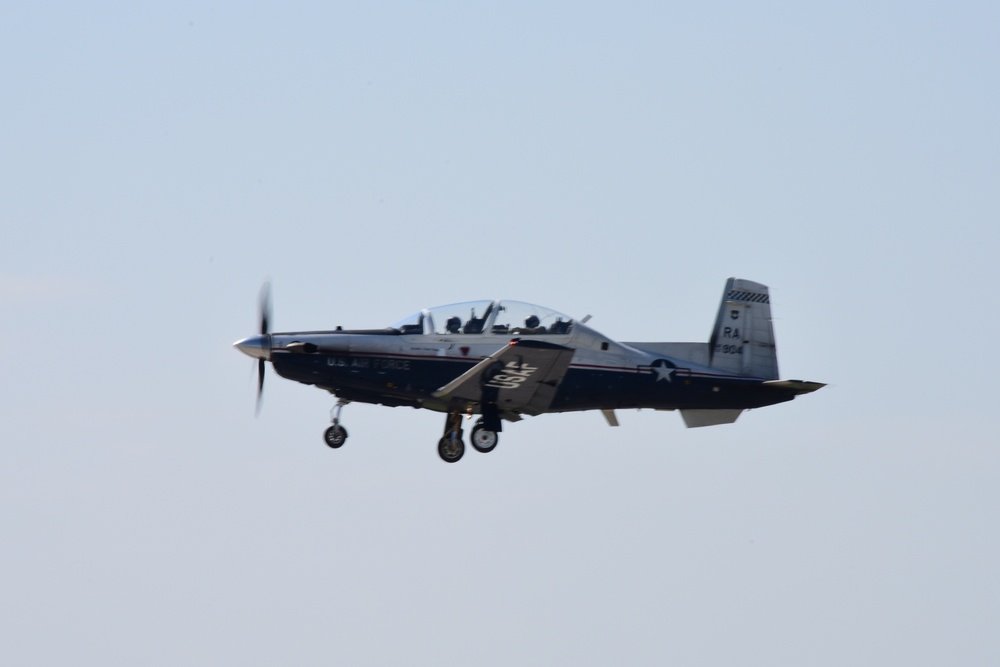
x: 520, y: 378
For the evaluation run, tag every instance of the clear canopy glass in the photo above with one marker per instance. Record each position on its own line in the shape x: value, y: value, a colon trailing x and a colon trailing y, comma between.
x: 493, y: 317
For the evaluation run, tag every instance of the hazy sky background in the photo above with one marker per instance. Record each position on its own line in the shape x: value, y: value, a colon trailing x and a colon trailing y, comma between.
x: 161, y: 159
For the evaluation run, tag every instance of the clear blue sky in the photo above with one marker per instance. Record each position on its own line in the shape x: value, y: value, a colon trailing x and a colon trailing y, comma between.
x: 161, y: 159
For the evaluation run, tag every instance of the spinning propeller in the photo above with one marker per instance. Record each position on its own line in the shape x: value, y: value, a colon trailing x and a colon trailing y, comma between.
x: 264, y: 309
x: 259, y: 346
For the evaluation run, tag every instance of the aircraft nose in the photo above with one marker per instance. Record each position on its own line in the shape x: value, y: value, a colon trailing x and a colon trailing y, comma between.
x: 258, y: 347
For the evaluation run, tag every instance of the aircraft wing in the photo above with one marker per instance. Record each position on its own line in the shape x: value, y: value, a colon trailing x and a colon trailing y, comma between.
x: 521, y: 377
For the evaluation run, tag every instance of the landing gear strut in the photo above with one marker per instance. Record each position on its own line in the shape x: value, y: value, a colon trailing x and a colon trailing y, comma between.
x: 336, y: 435
x: 450, y: 446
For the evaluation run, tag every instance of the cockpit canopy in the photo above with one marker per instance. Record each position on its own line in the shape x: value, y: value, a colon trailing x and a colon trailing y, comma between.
x: 494, y: 317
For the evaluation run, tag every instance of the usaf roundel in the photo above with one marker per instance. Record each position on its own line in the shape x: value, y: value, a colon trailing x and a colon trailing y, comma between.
x: 663, y: 369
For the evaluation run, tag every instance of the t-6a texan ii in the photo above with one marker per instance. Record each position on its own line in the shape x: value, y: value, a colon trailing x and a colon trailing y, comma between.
x: 500, y: 360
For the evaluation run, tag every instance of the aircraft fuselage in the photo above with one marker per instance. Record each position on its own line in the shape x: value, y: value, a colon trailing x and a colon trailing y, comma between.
x: 400, y: 369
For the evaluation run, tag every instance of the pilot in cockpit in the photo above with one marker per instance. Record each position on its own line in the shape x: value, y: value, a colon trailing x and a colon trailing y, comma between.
x: 453, y: 325
x: 531, y: 326
x: 475, y: 325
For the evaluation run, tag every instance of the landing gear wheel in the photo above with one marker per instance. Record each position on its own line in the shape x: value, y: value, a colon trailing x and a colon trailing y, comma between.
x: 450, y: 449
x: 335, y: 436
x: 482, y: 440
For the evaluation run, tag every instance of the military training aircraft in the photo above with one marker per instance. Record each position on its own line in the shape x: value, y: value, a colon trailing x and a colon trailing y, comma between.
x: 504, y: 359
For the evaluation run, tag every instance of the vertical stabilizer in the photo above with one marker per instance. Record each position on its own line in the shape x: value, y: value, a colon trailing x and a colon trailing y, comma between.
x: 742, y: 341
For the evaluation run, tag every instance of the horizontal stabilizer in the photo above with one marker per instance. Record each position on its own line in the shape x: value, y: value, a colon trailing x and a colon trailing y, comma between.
x: 698, y: 418
x: 795, y: 386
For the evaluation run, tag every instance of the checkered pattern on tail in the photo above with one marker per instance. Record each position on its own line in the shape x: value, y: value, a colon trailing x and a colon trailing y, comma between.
x: 753, y: 297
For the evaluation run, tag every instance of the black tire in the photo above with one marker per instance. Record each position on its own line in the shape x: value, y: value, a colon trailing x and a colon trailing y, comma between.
x: 335, y: 436
x: 482, y: 440
x: 450, y: 449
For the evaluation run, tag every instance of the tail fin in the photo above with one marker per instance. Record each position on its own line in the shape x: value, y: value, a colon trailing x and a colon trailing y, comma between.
x: 742, y: 341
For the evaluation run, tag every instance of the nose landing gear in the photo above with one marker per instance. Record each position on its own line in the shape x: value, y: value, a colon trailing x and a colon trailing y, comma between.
x: 336, y: 435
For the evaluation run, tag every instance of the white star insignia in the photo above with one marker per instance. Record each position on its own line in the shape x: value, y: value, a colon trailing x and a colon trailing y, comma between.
x: 663, y: 372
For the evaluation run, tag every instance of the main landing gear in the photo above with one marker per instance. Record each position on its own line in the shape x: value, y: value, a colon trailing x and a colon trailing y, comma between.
x: 451, y: 448
x: 483, y: 440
